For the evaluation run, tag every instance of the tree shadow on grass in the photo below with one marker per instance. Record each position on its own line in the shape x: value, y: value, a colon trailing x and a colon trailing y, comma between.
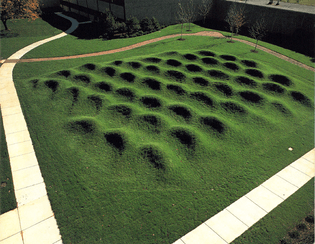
x: 8, y: 34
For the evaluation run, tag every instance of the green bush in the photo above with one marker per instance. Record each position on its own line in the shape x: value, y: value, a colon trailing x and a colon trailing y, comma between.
x: 146, y: 25
x: 121, y: 27
x: 155, y: 24
x: 133, y: 25
x: 108, y: 24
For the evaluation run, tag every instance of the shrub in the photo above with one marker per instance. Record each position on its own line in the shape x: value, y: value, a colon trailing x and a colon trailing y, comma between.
x: 155, y: 24
x: 146, y: 25
x: 121, y: 27
x: 133, y: 25
x: 107, y: 22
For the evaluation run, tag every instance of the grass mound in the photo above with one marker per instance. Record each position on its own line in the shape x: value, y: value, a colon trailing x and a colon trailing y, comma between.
x: 251, y: 97
x: 104, y: 86
x: 65, y: 73
x: 273, y: 88
x: 225, y: 89
x: 152, y: 122
x: 181, y: 111
x: 301, y: 98
x: 201, y: 81
x: 228, y: 57
x: 152, y: 60
x: 177, y: 89
x: 127, y: 76
x: 281, y: 108
x: 281, y: 79
x: 118, y: 62
x: 83, y: 126
x: 190, y: 56
x: 202, y: 97
x: 89, y: 66
x: 193, y: 68
x: 218, y: 74
x: 255, y: 73
x: 154, y: 155
x: 242, y: 80
x: 184, y: 136
x: 82, y: 78
x: 249, y: 63
x: 177, y: 75
x: 116, y: 140
x: 153, y: 68
x: 231, y: 66
x: 210, y: 61
x: 126, y: 93
x: 52, y: 84
x: 233, y: 108
x: 135, y: 65
x: 121, y: 109
x: 96, y: 100
x: 74, y: 91
x: 173, y: 62
x: 213, y: 123
x: 151, y: 102
x: 207, y: 53
x: 109, y: 71
x: 34, y: 83
x: 152, y: 83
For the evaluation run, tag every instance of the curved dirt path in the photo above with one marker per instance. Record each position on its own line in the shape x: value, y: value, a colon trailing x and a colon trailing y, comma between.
x: 140, y: 44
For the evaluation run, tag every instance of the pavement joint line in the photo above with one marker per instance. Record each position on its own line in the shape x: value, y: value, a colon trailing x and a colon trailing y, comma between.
x: 12, y: 114
x: 30, y: 187
x: 287, y: 181
x: 215, y: 232
x: 16, y: 132
x: 309, y: 160
x: 255, y: 203
x: 57, y: 241
x: 19, y: 142
x: 273, y: 192
x: 22, y: 154
x: 236, y: 216
x: 24, y: 169
x: 302, y: 171
x: 38, y: 222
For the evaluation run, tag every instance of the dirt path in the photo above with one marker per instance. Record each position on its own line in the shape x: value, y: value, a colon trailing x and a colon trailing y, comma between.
x: 140, y: 44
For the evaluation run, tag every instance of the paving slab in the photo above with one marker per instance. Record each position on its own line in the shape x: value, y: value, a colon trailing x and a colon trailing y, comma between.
x: 246, y: 211
x: 310, y: 156
x: 29, y: 194
x: 19, y: 149
x: 18, y: 137
x: 304, y: 166
x: 202, y: 235
x: 280, y: 187
x: 11, y: 110
x: 7, y: 101
x: 294, y: 176
x: 23, y: 161
x: 15, y: 239
x: 9, y: 224
x: 35, y: 212
x: 226, y: 225
x: 27, y: 177
x: 14, y: 123
x: 263, y: 197
x: 179, y: 241
x: 45, y: 232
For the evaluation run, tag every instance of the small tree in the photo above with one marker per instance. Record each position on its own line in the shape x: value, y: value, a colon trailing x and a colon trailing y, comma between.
x: 146, y: 25
x: 133, y: 25
x: 190, y: 12
x: 181, y: 17
x: 258, y: 30
x: 19, y: 9
x: 235, y: 18
x: 155, y: 24
x: 204, y: 9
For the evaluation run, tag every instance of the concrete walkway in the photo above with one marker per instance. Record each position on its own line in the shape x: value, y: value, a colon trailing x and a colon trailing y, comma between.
x: 33, y: 220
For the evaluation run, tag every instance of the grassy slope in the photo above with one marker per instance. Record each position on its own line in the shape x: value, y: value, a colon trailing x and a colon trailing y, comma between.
x: 124, y: 209
x: 7, y: 197
x: 24, y: 32
x: 71, y: 45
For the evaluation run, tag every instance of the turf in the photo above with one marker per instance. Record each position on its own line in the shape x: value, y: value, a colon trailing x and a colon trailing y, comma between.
x: 142, y: 148
x: 7, y: 197
x: 23, y: 32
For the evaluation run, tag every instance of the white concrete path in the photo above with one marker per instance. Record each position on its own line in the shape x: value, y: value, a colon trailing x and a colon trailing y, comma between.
x: 33, y: 220
x: 233, y: 221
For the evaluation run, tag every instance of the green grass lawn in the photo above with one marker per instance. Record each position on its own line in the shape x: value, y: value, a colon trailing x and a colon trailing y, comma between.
x: 142, y: 146
x: 7, y: 197
x: 24, y: 32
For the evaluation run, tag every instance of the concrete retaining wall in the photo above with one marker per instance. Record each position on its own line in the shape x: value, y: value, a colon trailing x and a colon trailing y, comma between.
x: 49, y: 3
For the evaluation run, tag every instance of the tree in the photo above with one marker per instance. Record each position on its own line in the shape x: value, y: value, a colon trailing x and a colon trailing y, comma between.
x: 204, y: 9
x: 146, y: 25
x: 258, y: 30
x: 133, y: 25
x: 235, y: 18
x: 190, y: 12
x: 19, y: 9
x: 155, y: 24
x: 181, y: 17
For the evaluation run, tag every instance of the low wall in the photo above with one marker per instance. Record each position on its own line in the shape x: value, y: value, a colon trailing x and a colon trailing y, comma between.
x: 49, y: 3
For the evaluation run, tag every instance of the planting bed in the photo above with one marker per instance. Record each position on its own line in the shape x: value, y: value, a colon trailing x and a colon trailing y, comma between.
x: 150, y: 147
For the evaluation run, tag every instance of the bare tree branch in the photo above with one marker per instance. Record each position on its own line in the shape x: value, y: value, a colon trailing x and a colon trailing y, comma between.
x: 204, y: 9
x: 235, y: 18
x: 258, y: 30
